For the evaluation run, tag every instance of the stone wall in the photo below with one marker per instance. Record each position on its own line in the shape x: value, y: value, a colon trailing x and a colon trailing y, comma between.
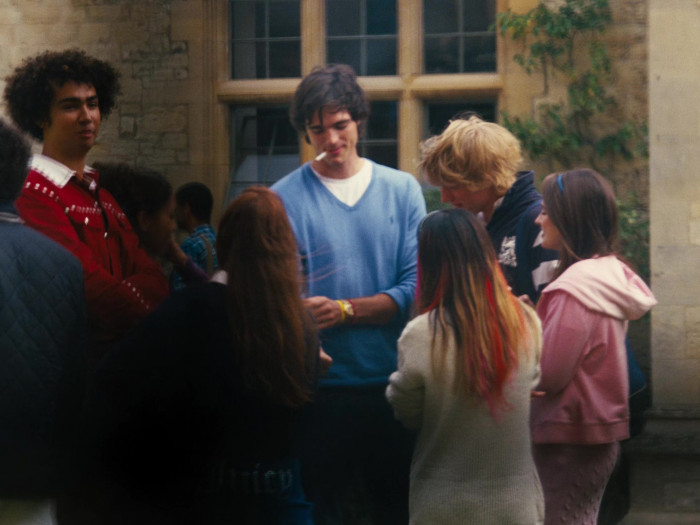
x: 163, y: 119
x: 626, y: 40
x: 675, y: 205
x: 156, y: 45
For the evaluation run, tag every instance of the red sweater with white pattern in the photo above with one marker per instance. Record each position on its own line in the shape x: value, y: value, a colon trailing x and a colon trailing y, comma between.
x: 122, y: 283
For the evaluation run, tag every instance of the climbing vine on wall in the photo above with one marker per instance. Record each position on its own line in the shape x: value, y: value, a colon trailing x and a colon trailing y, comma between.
x: 562, y: 43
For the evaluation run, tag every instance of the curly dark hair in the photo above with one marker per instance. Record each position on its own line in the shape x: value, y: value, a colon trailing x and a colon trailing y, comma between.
x: 31, y: 88
x: 332, y: 86
x: 136, y: 189
x: 14, y: 161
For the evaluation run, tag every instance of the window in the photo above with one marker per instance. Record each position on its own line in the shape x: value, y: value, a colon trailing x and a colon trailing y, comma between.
x: 265, y: 39
x: 457, y: 36
x: 363, y: 34
x: 264, y: 147
x: 380, y: 143
x: 420, y: 62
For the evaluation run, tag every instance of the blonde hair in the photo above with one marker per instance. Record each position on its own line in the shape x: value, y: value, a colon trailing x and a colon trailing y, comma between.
x: 473, y: 153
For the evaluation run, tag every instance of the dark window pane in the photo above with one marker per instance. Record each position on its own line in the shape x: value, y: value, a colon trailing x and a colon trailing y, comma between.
x: 243, y: 62
x: 342, y: 18
x: 381, y: 154
x: 381, y: 57
x: 380, y: 140
x: 478, y: 15
x: 440, y: 16
x: 285, y: 59
x: 381, y: 17
x: 255, y: 26
x: 261, y: 60
x: 382, y: 121
x: 244, y: 20
x: 479, y: 53
x: 345, y: 52
x: 260, y: 18
x: 265, y: 147
x: 284, y: 19
x: 440, y: 113
x: 442, y: 55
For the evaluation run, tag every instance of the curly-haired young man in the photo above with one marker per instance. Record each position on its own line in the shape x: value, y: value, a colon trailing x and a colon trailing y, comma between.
x: 60, y: 98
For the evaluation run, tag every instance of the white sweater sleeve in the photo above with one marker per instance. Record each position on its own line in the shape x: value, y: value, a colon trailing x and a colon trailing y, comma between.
x: 406, y: 390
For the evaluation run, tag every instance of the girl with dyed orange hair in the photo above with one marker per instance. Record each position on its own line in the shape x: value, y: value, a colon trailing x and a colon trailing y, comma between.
x: 467, y: 365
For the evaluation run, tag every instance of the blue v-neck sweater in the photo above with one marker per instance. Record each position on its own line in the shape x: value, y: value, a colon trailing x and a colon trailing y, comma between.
x: 358, y: 251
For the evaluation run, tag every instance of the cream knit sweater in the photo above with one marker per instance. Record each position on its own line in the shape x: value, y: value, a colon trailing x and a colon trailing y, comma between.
x: 467, y: 468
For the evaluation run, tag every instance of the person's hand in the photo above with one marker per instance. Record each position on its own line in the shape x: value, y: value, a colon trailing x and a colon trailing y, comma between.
x: 325, y: 360
x: 325, y: 312
x: 526, y: 299
x: 176, y: 255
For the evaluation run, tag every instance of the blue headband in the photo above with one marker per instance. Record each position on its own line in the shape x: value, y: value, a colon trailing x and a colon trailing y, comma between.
x: 560, y: 183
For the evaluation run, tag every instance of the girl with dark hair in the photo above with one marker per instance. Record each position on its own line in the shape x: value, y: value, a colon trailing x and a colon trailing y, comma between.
x: 467, y: 365
x: 193, y: 417
x: 148, y: 200
x: 581, y: 413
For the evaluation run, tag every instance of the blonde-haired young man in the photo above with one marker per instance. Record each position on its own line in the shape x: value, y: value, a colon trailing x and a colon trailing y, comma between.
x: 475, y: 164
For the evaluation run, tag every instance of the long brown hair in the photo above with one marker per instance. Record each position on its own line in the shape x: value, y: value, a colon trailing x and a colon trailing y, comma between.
x: 274, y: 338
x: 461, y: 282
x: 582, y: 206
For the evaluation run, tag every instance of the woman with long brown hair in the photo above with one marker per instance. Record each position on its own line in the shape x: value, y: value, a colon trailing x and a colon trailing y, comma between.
x: 467, y: 365
x: 193, y: 417
x: 583, y: 413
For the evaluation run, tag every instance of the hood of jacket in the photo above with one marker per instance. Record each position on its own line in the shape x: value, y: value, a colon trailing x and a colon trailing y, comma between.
x: 606, y: 285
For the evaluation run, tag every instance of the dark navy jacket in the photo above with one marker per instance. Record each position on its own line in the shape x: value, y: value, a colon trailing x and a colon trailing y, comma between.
x: 42, y: 333
x: 521, y: 260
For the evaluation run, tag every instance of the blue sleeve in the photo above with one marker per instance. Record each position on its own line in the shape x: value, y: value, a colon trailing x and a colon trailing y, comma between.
x: 404, y: 291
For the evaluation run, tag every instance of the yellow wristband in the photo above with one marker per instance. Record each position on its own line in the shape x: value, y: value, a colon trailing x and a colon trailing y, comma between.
x: 342, y: 309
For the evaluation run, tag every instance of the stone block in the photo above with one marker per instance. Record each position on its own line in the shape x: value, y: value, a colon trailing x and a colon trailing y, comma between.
x: 668, y: 331
x: 683, y: 496
x: 44, y: 14
x: 181, y: 73
x: 628, y: 11
x: 109, y: 14
x: 670, y: 267
x: 695, y: 232
x: 9, y: 16
x: 177, y: 141
x: 675, y: 29
x: 692, y: 345
x: 127, y: 127
x: 676, y: 381
x: 665, y: 229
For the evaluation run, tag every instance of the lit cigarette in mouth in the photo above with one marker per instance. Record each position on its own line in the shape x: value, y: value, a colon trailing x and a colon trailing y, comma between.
x: 320, y: 156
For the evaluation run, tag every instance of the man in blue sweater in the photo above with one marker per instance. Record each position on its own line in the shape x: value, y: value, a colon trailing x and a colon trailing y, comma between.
x: 475, y: 164
x: 355, y: 223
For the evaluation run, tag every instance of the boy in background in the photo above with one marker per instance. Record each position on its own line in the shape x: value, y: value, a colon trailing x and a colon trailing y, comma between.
x: 193, y: 206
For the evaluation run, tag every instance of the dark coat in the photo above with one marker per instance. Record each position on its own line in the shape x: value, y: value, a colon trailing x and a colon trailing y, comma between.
x: 514, y: 235
x: 42, y: 338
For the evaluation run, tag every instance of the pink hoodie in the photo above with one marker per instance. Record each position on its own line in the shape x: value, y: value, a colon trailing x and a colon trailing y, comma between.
x: 584, y: 315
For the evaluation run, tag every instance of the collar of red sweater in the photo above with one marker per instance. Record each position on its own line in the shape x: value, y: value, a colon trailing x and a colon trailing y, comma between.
x: 59, y: 174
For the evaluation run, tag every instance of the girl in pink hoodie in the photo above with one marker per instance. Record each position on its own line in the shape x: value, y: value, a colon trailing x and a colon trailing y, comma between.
x: 581, y: 413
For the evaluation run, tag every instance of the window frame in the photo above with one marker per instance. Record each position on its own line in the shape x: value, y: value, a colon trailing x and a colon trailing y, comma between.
x: 411, y: 88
